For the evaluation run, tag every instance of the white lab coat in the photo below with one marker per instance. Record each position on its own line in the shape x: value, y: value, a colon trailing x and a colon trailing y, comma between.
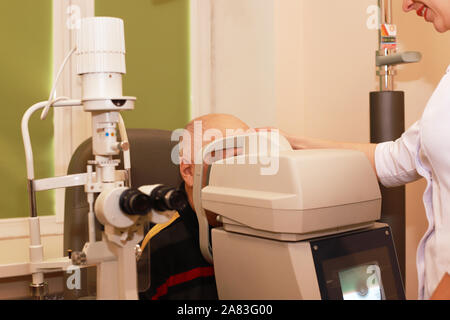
x: 424, y: 151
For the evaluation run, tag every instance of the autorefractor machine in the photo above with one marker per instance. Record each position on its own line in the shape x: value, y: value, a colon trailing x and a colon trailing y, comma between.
x: 306, y: 230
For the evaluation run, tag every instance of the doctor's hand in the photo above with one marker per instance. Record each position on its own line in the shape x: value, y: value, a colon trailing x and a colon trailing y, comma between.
x: 296, y: 142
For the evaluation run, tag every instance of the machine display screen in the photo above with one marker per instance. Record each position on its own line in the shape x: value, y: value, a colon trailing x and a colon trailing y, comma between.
x: 358, y: 266
x: 362, y: 282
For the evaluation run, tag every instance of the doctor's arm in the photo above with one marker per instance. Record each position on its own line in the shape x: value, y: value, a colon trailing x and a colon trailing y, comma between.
x: 306, y: 143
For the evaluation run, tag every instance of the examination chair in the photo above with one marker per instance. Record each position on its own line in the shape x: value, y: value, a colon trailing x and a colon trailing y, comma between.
x: 150, y: 164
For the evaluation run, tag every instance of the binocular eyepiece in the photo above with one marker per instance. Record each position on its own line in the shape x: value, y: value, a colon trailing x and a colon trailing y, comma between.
x: 161, y: 198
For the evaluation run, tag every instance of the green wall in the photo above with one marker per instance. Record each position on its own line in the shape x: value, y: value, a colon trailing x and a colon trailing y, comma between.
x: 157, y: 44
x: 26, y: 72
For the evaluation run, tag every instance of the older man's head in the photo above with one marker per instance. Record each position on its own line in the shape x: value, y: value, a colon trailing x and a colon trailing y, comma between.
x: 198, y: 133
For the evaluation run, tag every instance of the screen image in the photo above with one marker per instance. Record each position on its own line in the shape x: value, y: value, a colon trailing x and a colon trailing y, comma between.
x: 362, y: 282
x: 359, y: 265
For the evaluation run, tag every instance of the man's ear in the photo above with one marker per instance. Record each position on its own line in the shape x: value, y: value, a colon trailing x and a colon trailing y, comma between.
x: 187, y: 173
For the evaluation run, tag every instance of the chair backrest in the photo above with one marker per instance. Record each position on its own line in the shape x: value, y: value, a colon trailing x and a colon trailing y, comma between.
x: 151, y: 163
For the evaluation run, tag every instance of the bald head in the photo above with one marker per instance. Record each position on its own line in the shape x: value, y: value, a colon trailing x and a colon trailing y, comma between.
x: 198, y: 133
x: 205, y: 129
x: 219, y: 121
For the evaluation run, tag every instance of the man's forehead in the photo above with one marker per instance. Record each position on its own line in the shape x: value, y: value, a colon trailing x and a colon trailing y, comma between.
x: 202, y: 131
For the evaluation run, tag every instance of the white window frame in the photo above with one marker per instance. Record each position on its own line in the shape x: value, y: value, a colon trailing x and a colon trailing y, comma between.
x: 71, y: 125
x: 211, y: 71
x: 201, y: 69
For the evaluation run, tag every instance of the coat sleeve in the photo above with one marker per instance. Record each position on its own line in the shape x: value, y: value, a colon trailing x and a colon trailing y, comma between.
x: 395, y: 161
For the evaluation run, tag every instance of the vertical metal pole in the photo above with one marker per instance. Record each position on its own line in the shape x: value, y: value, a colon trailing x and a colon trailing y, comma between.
x: 387, y: 123
x: 387, y: 72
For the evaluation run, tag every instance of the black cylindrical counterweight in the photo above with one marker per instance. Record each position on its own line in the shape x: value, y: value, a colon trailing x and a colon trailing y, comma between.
x: 387, y: 115
x: 387, y: 123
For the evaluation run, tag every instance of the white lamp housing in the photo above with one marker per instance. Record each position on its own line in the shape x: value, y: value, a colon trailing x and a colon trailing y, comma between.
x: 101, y: 64
x: 101, y: 46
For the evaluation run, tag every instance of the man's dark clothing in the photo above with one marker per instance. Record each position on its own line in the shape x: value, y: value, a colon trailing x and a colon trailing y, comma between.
x: 178, y: 270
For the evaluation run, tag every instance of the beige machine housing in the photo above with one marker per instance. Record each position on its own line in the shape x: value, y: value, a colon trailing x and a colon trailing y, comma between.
x: 313, y: 192
x: 263, y: 250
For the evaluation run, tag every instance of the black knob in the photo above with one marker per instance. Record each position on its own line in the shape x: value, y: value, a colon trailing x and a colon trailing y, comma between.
x: 134, y: 202
x: 165, y: 198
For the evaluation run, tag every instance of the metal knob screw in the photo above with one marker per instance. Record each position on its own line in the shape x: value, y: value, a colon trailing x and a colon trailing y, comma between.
x: 78, y: 258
